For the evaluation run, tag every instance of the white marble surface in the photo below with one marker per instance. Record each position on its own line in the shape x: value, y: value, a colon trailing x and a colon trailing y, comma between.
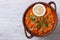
x: 11, y: 13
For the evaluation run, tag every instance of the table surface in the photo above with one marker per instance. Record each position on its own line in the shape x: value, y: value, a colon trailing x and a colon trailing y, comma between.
x: 11, y: 13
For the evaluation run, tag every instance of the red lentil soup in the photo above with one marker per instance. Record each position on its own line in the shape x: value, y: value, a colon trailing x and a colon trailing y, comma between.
x: 40, y: 25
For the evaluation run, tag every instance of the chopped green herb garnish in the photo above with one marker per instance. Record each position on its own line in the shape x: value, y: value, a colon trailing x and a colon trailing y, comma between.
x: 32, y: 17
x: 38, y: 27
x: 41, y: 23
x: 33, y: 20
x: 43, y: 20
x: 46, y: 25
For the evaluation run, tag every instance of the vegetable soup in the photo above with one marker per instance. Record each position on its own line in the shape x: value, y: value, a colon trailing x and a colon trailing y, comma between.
x: 40, y: 25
